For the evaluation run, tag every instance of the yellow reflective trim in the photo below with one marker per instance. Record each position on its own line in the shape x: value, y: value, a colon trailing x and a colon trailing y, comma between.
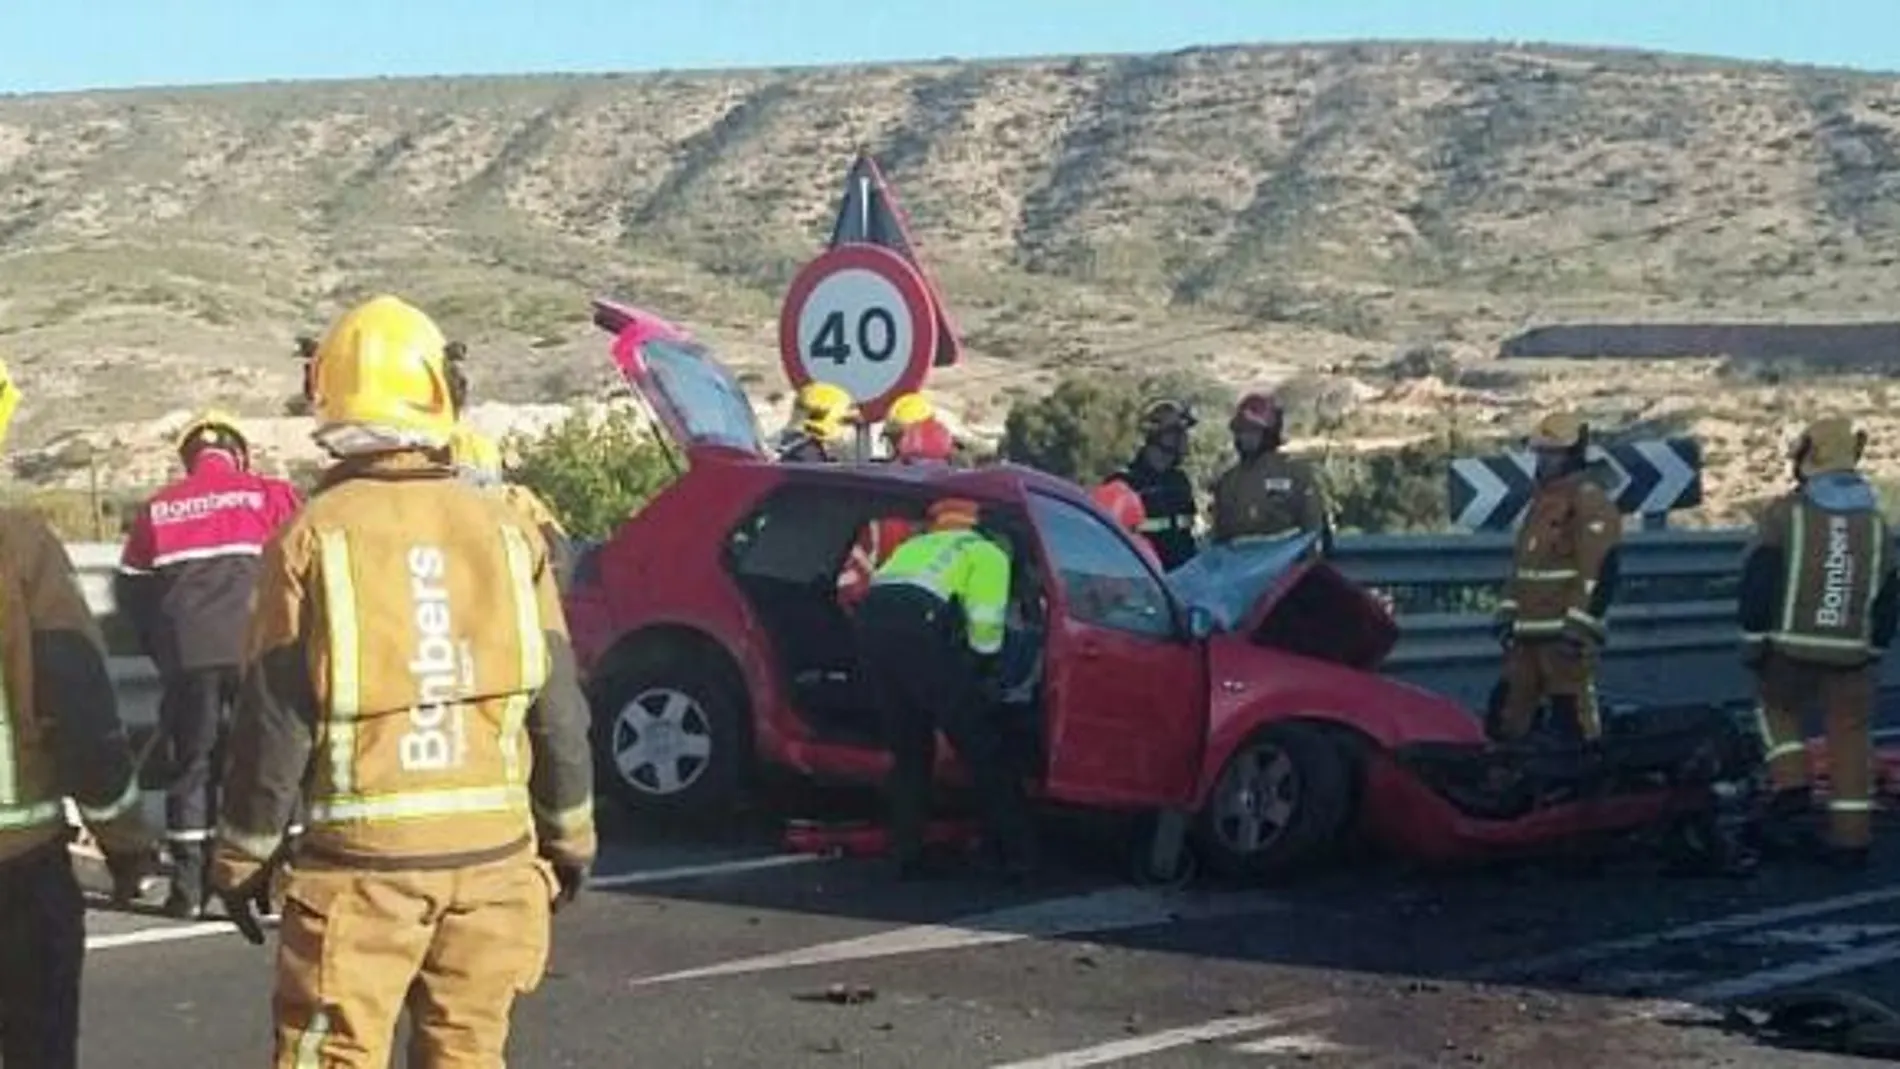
x: 1547, y: 575
x: 410, y: 805
x: 1797, y: 551
x: 346, y: 658
x: 116, y: 808
x: 17, y: 817
x: 534, y: 650
x: 514, y: 718
x: 1846, y: 806
x: 1786, y: 749
x: 310, y: 1041
x: 570, y: 821
x: 258, y: 847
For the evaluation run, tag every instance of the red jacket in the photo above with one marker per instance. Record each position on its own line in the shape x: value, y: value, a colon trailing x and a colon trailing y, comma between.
x: 190, y: 561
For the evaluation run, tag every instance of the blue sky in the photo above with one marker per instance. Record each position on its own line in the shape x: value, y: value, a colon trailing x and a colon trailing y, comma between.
x: 74, y: 44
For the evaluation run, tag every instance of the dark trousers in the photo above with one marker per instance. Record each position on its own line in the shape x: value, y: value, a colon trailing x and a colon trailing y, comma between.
x: 914, y: 666
x: 193, y: 715
x: 42, y: 947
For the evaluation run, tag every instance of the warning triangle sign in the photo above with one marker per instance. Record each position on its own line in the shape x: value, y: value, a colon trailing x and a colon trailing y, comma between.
x: 870, y: 215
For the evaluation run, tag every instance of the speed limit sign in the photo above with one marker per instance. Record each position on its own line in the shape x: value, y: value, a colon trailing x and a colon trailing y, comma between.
x: 861, y: 318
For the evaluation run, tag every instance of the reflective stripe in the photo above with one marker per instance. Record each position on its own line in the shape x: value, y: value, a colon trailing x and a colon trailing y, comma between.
x: 116, y: 808
x: 14, y: 814
x: 1158, y: 524
x: 310, y: 1042
x: 256, y: 847
x: 16, y: 817
x: 1547, y: 575
x: 1584, y: 619
x: 532, y: 649
x: 567, y: 821
x: 410, y: 805
x: 1845, y: 806
x: 195, y: 836
x: 346, y: 659
x: 1538, y: 627
x: 1786, y: 749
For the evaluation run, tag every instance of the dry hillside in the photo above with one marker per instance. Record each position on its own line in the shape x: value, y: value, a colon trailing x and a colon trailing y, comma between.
x: 1256, y: 213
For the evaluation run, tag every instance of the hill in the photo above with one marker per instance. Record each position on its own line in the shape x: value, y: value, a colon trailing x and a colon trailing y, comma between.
x: 1246, y: 213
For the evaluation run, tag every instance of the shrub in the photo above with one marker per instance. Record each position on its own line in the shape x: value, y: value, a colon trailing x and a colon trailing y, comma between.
x: 593, y: 472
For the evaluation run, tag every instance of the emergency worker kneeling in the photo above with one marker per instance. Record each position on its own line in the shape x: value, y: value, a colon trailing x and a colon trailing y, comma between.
x: 408, y: 647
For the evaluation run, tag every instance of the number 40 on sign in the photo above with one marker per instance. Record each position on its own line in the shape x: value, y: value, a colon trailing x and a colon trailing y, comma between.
x: 861, y: 318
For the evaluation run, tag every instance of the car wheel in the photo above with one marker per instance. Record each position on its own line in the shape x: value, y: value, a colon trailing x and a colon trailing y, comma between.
x: 1282, y: 801
x: 670, y: 737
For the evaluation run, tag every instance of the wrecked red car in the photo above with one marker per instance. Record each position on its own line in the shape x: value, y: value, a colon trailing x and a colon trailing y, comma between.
x: 1244, y: 690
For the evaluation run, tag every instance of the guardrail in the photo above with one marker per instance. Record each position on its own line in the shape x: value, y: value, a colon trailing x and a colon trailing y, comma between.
x: 1672, y: 630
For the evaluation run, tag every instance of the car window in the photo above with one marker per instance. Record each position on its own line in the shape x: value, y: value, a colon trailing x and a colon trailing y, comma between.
x: 1104, y: 580
x: 706, y: 396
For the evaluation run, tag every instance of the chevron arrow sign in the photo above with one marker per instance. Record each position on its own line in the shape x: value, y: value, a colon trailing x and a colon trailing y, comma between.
x: 1646, y: 477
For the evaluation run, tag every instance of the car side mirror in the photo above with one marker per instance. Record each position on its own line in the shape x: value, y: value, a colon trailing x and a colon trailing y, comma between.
x: 1200, y: 622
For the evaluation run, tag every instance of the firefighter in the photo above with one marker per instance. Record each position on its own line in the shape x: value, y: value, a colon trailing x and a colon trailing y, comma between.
x: 1167, y: 495
x: 184, y: 582
x: 408, y: 663
x: 821, y: 422
x: 929, y: 637
x: 1563, y: 578
x: 1266, y: 494
x: 478, y: 460
x: 926, y: 443
x: 1817, y: 609
x: 905, y: 412
x: 60, y: 737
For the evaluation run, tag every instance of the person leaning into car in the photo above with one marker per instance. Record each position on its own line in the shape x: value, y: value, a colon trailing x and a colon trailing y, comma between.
x: 929, y: 640
x: 1818, y: 608
x: 1563, y: 577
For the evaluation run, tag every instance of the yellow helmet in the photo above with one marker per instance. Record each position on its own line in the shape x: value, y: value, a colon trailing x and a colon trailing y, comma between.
x: 214, y: 427
x: 9, y: 399
x: 906, y: 411
x: 475, y: 453
x: 380, y: 380
x: 1559, y: 430
x: 1828, y: 444
x: 823, y: 411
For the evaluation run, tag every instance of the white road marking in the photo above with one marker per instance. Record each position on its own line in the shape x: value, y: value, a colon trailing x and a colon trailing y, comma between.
x: 1829, y: 936
x: 1101, y: 911
x: 1733, y: 923
x: 717, y: 868
x: 1801, y: 972
x: 159, y: 935
x: 1299, y: 1046
x: 1207, y: 1032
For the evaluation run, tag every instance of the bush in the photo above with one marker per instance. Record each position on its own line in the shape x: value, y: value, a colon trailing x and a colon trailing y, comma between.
x: 1087, y: 428
x: 593, y: 473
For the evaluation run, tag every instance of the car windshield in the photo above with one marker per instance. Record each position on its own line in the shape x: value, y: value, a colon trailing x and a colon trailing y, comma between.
x: 1227, y: 580
x: 704, y: 394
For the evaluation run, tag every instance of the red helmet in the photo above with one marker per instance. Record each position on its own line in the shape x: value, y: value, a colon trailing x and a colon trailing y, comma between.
x: 1261, y: 411
x: 926, y: 440
x: 1120, y: 501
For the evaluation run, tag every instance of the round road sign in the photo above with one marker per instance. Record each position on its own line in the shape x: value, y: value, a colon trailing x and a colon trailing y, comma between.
x: 859, y: 317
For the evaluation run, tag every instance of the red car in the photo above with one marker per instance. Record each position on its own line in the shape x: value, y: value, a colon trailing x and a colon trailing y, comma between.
x: 1243, y: 690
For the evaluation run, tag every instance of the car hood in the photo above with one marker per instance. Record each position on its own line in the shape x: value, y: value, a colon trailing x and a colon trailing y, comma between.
x: 1279, y: 594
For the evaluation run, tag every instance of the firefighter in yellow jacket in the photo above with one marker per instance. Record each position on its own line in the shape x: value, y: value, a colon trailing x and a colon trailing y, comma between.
x: 1817, y: 607
x: 478, y: 460
x: 408, y: 666
x: 60, y: 737
x: 1563, y: 577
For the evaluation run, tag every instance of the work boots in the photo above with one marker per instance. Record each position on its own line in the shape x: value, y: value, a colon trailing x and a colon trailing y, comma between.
x: 186, y: 901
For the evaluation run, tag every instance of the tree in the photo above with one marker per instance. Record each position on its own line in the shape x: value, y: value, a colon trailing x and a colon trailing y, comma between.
x: 594, y: 473
x: 1088, y: 427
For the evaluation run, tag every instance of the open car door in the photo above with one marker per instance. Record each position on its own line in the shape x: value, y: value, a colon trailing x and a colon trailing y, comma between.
x: 1125, y: 691
x: 695, y: 398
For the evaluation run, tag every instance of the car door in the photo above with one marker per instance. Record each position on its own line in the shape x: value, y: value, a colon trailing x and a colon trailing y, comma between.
x: 1125, y: 694
x: 696, y: 399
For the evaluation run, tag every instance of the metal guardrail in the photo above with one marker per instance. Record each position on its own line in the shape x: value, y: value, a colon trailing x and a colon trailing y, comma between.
x: 1672, y: 631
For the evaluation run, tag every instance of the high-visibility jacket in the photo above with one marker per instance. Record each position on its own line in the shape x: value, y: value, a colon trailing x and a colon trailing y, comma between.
x: 1818, y: 579
x: 874, y: 545
x: 1270, y: 495
x: 60, y: 734
x: 1564, y: 567
x: 409, y: 648
x: 963, y: 568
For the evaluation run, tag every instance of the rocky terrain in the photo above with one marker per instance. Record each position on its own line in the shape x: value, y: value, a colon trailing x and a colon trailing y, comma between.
x: 1359, y: 223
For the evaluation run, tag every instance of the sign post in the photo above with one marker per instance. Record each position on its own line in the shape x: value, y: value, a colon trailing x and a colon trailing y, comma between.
x: 1649, y: 478
x: 861, y: 318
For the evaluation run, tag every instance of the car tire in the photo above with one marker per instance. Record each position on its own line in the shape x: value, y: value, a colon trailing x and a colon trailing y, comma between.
x: 1281, y: 804
x: 672, y: 713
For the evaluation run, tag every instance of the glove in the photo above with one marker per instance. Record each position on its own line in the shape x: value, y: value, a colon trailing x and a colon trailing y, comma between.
x: 246, y: 901
x: 572, y: 878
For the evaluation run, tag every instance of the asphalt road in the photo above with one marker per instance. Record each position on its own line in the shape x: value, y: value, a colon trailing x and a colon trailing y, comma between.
x: 703, y: 951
